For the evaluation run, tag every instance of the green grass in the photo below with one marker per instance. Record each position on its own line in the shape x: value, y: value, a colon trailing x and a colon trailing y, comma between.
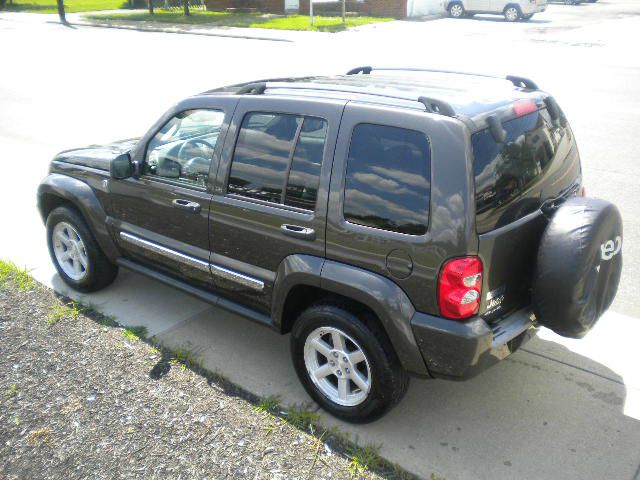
x: 12, y: 391
x: 268, y: 405
x: 63, y: 311
x: 11, y: 273
x: 71, y: 6
x: 278, y: 22
x: 301, y: 22
x: 135, y: 333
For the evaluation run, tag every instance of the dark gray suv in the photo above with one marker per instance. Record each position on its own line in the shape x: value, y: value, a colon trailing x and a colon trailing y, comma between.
x: 398, y: 222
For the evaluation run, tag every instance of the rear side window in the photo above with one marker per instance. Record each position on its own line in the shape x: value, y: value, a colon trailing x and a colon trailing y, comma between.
x: 277, y: 158
x: 387, y: 183
x: 505, y: 173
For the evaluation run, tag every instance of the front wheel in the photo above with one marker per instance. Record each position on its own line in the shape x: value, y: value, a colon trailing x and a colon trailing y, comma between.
x: 456, y: 10
x: 512, y: 14
x: 75, y: 253
x: 346, y: 363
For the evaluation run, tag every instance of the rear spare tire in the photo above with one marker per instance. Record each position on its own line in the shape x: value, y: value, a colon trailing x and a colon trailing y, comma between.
x: 578, y: 267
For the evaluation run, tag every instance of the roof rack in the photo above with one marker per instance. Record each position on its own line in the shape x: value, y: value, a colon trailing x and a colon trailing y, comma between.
x: 520, y: 82
x: 431, y: 105
x: 252, y: 89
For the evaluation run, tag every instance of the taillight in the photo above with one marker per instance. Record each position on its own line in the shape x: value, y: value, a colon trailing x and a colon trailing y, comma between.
x: 583, y: 192
x: 523, y: 107
x: 459, y: 288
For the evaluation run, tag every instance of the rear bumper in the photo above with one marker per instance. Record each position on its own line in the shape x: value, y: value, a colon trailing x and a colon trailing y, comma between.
x: 461, y: 350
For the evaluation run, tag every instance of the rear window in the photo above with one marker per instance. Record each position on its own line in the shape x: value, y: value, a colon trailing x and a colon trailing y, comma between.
x: 507, y: 175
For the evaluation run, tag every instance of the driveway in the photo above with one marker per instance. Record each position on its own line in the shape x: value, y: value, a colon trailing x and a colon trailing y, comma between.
x: 558, y: 409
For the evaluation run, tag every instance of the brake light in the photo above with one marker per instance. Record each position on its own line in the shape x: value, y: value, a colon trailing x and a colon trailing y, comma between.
x: 523, y: 107
x: 459, y: 288
x: 583, y: 192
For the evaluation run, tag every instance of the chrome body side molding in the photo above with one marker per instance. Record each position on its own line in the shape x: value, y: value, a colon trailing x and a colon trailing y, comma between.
x: 217, y: 270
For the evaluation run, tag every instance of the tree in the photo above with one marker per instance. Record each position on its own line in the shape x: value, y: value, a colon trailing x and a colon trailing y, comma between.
x: 151, y: 7
x: 63, y: 17
x: 186, y: 7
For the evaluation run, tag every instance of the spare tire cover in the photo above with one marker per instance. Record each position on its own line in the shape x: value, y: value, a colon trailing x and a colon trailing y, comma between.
x: 578, y: 266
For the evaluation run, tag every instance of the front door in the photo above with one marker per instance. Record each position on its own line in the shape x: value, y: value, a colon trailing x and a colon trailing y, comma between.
x: 480, y: 5
x: 270, y: 199
x: 162, y: 217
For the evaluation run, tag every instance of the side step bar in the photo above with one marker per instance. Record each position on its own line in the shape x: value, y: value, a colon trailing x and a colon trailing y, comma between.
x: 200, y: 293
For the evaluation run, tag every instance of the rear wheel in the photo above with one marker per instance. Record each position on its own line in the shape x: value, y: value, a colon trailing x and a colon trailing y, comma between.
x: 456, y: 10
x: 512, y: 13
x: 346, y: 363
x: 75, y: 253
x: 526, y: 18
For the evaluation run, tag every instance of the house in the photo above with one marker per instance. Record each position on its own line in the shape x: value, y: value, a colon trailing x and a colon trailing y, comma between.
x: 375, y: 8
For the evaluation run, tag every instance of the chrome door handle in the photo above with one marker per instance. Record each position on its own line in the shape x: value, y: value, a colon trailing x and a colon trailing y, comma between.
x: 192, y: 207
x: 295, y: 231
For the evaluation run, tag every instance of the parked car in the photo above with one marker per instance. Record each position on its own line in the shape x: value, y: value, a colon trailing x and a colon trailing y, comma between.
x: 396, y: 223
x: 513, y: 10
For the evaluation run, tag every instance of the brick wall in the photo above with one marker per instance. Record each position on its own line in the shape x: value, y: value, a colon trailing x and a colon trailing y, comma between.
x: 269, y: 6
x: 374, y: 8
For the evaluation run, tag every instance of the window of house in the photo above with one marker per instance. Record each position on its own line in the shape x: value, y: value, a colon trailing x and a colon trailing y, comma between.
x: 277, y: 158
x: 387, y: 183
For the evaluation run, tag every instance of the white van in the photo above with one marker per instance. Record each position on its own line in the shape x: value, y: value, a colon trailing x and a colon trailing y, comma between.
x: 513, y: 10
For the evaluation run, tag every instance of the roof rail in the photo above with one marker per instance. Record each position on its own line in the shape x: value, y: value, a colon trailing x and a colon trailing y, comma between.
x: 252, y: 89
x: 437, y: 106
x: 357, y: 70
x: 521, y: 82
x: 431, y: 105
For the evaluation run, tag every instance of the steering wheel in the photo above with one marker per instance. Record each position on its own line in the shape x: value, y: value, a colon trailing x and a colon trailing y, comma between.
x: 194, y: 142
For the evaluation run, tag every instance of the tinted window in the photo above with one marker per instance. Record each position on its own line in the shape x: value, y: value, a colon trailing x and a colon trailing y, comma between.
x: 388, y: 179
x: 277, y: 158
x: 183, y: 148
x: 304, y: 176
x: 506, y: 172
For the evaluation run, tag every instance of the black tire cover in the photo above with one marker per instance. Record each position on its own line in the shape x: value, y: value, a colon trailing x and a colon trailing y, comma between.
x: 578, y: 266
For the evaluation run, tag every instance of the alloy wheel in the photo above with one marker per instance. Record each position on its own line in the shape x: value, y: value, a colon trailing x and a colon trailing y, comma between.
x: 70, y: 251
x: 457, y: 11
x: 337, y: 366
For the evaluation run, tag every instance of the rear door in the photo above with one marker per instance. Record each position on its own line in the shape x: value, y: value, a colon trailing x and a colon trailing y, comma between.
x: 271, y: 190
x: 537, y: 162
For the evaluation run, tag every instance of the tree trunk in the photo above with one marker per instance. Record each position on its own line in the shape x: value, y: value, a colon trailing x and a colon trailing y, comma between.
x: 186, y: 7
x: 150, y: 7
x: 63, y: 17
x: 4, y: 3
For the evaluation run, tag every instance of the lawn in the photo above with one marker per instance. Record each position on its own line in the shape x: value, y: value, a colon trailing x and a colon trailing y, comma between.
x: 49, y: 6
x: 279, y: 22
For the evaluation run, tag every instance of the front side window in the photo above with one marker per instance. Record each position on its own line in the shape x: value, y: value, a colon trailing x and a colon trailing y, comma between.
x: 387, y: 183
x: 183, y: 148
x: 277, y: 159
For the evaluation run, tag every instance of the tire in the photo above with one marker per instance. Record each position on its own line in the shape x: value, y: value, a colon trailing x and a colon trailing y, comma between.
x: 378, y: 366
x: 578, y: 266
x: 456, y: 10
x: 512, y: 13
x: 87, y: 268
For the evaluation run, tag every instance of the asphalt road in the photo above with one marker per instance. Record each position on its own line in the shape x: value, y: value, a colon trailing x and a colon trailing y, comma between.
x: 560, y: 409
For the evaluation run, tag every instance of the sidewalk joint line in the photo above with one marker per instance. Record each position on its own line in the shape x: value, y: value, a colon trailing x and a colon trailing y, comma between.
x: 586, y: 370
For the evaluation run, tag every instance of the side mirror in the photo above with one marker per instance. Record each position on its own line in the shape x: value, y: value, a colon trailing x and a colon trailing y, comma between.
x: 121, y: 166
x: 168, y: 168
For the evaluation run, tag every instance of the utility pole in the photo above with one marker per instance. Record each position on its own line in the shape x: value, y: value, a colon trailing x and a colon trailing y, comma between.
x: 63, y: 17
x: 311, y: 11
x: 344, y: 11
